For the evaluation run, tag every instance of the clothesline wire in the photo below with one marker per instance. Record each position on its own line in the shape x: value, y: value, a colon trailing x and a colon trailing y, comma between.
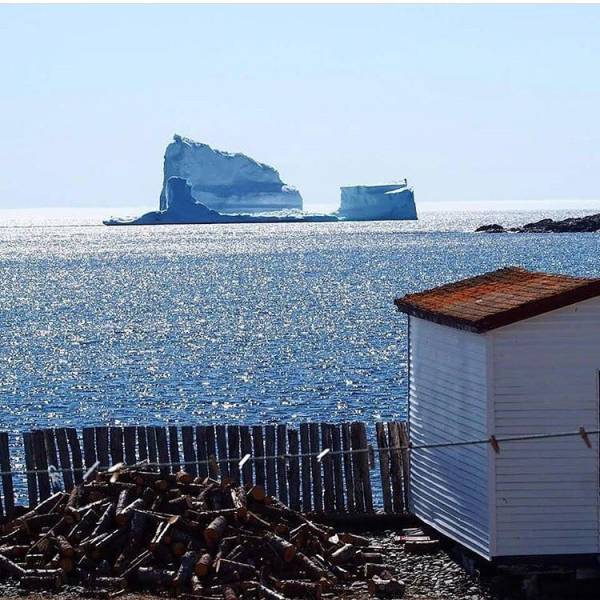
x: 492, y: 440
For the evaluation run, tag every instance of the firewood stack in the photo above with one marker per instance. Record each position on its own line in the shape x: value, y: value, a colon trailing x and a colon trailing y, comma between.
x: 136, y: 528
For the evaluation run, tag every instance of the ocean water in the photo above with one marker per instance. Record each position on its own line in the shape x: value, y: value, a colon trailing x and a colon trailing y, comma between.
x: 232, y: 323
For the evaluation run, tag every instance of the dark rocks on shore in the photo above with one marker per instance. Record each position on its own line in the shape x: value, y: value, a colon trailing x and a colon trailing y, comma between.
x: 589, y: 223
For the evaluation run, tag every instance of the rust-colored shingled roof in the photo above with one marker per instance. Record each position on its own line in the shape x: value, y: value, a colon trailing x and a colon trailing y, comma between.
x: 498, y: 298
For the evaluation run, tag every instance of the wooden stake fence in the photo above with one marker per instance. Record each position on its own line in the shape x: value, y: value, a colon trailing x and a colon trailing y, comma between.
x: 320, y: 467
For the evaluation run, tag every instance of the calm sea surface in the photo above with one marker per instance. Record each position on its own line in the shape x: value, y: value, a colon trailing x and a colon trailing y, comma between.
x: 232, y: 323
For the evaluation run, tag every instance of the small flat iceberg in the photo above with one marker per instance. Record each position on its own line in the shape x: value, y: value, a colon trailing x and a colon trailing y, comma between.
x: 395, y: 201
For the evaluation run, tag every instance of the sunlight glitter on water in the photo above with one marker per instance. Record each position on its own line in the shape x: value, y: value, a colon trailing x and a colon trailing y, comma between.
x: 249, y: 323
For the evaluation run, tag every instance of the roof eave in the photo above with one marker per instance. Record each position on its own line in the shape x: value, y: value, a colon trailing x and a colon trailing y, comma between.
x: 508, y: 317
x: 435, y: 317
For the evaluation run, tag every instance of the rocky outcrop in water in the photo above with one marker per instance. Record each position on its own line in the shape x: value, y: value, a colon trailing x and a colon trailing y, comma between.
x: 493, y: 228
x: 226, y: 182
x: 589, y: 223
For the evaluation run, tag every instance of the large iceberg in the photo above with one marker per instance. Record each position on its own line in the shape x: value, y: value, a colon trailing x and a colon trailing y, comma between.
x: 181, y: 208
x: 377, y: 202
x: 226, y: 182
x: 203, y: 185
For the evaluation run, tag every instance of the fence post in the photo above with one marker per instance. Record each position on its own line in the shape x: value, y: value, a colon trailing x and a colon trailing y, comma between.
x: 384, y: 467
x: 7, y: 478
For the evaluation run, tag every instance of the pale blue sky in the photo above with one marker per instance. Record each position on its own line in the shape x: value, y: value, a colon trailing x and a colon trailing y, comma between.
x: 471, y: 103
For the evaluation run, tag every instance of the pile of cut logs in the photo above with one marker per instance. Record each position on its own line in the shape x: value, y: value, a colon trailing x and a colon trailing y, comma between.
x: 136, y: 528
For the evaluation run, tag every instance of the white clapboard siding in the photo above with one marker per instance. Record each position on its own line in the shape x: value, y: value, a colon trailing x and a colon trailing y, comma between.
x: 545, y: 373
x: 448, y: 402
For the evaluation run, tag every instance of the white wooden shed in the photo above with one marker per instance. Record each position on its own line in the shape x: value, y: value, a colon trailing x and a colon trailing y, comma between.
x: 507, y: 353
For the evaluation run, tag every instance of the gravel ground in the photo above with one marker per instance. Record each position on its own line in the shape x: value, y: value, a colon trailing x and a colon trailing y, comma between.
x: 427, y: 576
x: 440, y: 577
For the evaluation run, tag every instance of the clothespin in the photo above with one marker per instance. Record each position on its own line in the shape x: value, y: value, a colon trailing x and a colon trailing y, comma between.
x: 371, y: 455
x: 244, y: 460
x: 494, y: 444
x: 88, y: 474
x: 54, y: 477
x: 586, y: 438
x: 323, y: 454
